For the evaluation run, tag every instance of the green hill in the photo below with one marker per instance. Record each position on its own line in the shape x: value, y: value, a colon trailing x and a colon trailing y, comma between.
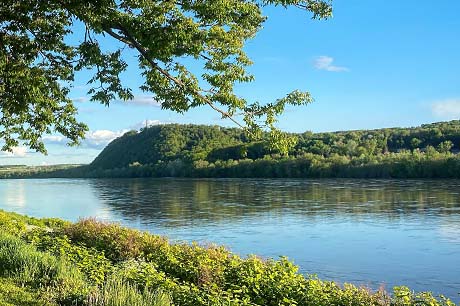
x: 213, y: 151
x: 427, y: 151
x: 165, y: 143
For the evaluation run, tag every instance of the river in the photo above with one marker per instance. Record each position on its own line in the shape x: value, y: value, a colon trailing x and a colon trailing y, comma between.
x: 367, y: 232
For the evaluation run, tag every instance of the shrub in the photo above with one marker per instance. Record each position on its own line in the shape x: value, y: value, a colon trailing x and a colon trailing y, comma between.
x: 118, y: 292
x: 90, y: 261
x: 128, y: 267
x: 11, y: 294
x: 28, y: 267
x: 10, y: 224
x: 117, y: 242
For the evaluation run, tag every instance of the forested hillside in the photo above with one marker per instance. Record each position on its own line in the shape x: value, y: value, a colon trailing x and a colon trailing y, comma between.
x: 428, y: 151
x: 213, y: 151
x: 165, y: 143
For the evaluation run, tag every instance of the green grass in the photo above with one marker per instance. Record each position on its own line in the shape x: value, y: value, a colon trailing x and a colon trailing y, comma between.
x: 118, y: 292
x: 23, y: 171
x: 12, y: 294
x: 50, y: 277
x: 98, y: 264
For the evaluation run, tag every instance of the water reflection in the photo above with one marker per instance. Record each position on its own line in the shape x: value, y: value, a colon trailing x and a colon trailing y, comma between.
x: 63, y: 198
x: 14, y: 196
x: 369, y: 232
x: 218, y: 201
x: 450, y: 230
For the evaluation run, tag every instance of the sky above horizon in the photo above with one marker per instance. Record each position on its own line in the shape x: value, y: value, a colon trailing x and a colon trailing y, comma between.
x: 375, y: 64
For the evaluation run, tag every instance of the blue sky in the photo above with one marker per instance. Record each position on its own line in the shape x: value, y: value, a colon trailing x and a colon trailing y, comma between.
x: 379, y: 63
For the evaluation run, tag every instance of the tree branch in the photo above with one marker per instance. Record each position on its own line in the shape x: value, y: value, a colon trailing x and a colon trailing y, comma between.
x: 130, y: 40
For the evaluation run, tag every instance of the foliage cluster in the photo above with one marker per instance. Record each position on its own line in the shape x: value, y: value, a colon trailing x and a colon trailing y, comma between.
x: 429, y: 151
x: 189, y: 54
x: 188, y: 143
x: 39, y: 266
x: 13, y: 171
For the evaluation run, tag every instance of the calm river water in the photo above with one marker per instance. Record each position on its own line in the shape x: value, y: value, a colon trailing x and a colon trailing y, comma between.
x: 367, y: 232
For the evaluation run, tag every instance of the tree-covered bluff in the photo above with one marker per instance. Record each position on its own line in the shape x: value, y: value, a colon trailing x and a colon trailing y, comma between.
x: 429, y: 150
x: 173, y: 150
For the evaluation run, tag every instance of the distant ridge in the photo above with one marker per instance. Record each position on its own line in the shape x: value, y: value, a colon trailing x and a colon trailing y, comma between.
x: 173, y: 150
x: 164, y: 143
x: 427, y: 151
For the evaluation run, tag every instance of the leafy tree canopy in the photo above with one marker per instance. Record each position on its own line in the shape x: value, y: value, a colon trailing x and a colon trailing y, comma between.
x: 38, y: 63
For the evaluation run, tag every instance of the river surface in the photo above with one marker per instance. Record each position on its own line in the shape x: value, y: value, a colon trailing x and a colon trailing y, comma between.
x: 368, y: 232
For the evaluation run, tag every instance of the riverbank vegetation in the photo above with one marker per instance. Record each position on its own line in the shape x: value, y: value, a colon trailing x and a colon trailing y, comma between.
x: 428, y: 151
x: 54, y: 262
x: 17, y: 171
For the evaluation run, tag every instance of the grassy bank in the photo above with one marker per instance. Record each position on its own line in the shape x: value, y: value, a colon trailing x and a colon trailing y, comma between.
x: 53, y: 262
x: 23, y: 171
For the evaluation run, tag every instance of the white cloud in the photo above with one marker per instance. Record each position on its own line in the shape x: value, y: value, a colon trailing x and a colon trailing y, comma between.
x: 446, y: 109
x: 53, y: 139
x: 19, y: 151
x: 85, y: 86
x: 16, y: 152
x: 80, y: 99
x: 145, y: 123
x: 93, y: 139
x: 143, y: 101
x: 326, y: 63
x: 137, y: 100
x: 100, y: 138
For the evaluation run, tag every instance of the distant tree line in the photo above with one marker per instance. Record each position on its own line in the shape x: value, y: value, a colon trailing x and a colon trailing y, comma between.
x: 428, y: 151
x: 405, y: 164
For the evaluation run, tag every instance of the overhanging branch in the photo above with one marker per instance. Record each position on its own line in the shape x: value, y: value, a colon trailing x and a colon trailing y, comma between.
x: 131, y: 41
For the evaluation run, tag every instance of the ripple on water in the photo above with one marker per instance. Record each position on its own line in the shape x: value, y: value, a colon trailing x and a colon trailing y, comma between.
x: 369, y: 232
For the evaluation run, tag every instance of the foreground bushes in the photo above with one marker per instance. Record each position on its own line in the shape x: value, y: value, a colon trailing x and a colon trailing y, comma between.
x: 98, y: 264
x: 52, y: 278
